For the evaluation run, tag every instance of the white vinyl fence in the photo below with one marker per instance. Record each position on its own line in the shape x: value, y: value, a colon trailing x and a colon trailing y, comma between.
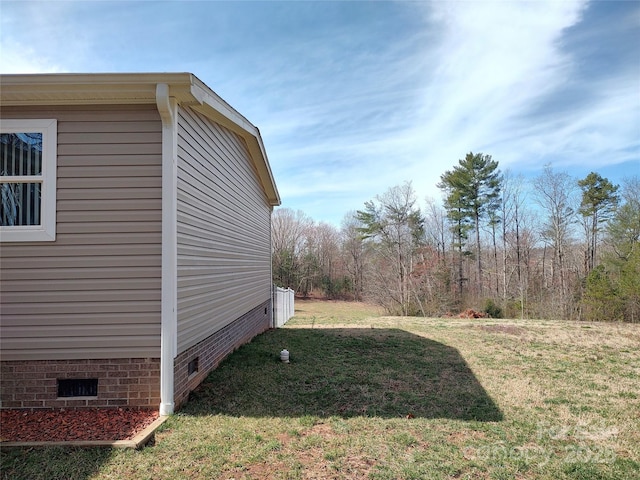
x: 283, y: 305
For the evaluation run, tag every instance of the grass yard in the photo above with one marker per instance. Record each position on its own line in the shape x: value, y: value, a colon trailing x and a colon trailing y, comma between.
x: 368, y: 396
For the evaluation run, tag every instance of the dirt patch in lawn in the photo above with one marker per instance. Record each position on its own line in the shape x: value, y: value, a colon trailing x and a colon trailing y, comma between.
x: 73, y: 425
x: 508, y: 329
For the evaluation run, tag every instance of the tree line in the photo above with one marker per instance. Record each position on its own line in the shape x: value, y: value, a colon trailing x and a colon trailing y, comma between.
x: 551, y: 247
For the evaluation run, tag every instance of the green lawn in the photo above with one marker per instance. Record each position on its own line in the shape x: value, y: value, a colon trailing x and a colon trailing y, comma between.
x: 368, y: 396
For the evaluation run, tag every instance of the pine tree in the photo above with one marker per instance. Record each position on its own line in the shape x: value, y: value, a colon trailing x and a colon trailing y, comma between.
x: 472, y: 189
x: 599, y: 200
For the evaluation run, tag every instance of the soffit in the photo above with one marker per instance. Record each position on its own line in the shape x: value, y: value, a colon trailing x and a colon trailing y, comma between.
x: 83, y: 89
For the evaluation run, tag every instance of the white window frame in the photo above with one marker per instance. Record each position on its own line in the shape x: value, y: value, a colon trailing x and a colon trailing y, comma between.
x: 46, y: 231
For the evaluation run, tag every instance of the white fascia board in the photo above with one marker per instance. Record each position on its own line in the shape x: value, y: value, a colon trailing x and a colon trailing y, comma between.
x: 215, y: 108
x: 231, y: 117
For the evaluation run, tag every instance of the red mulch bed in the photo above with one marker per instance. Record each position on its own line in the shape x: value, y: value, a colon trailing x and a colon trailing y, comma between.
x: 66, y: 425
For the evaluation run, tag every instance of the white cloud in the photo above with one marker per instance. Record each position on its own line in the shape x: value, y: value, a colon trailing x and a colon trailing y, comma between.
x: 494, y: 60
x: 355, y: 97
x: 491, y: 61
x: 595, y: 133
x: 42, y: 37
x: 18, y: 58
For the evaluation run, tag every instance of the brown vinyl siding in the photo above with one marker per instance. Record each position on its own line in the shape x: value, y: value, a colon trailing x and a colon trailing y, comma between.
x: 94, y: 293
x: 223, y: 230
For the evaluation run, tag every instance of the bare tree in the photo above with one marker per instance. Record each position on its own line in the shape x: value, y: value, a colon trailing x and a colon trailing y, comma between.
x: 394, y: 225
x: 354, y: 253
x: 288, y: 229
x: 514, y: 244
x: 436, y: 229
x: 555, y: 195
x: 329, y: 259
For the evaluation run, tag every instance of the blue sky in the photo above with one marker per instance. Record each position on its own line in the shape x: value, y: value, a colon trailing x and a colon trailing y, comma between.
x: 355, y: 97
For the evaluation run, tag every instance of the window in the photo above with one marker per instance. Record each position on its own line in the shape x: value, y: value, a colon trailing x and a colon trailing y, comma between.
x: 28, y: 180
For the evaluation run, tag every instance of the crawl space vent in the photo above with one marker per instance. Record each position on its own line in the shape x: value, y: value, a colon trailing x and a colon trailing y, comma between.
x: 193, y: 366
x: 81, y: 387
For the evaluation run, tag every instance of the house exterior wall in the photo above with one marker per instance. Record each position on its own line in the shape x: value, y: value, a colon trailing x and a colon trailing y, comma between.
x: 93, y: 293
x: 224, y: 250
x: 213, y: 349
x: 88, y: 305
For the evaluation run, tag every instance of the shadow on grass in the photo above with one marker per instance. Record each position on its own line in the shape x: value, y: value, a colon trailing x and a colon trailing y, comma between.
x: 52, y: 463
x: 387, y: 373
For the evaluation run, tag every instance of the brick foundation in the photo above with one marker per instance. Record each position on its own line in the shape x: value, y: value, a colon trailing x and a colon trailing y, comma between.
x: 131, y: 382
x: 211, y: 351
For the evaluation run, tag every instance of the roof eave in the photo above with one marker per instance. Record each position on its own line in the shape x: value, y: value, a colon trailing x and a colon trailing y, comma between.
x: 83, y: 89
x: 138, y: 88
x: 215, y: 108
